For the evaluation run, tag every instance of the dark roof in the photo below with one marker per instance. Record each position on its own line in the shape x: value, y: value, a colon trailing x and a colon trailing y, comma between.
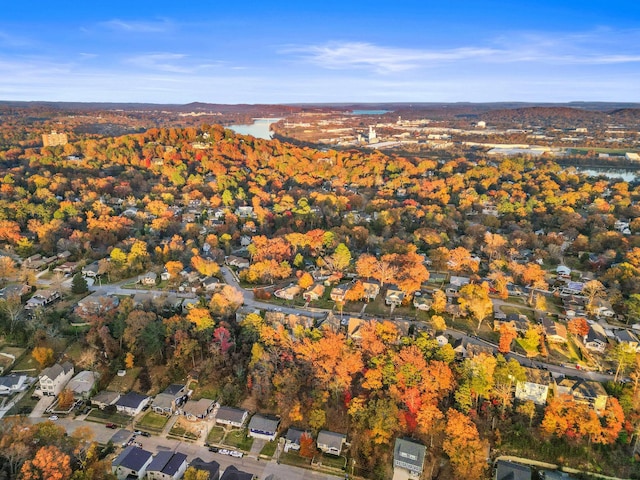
x: 232, y: 473
x: 212, y: 467
x: 294, y: 434
x: 167, y: 462
x: 173, y: 389
x: 132, y: 457
x: 264, y: 424
x: 131, y: 400
x: 512, y: 471
x: 231, y: 414
x: 409, y: 454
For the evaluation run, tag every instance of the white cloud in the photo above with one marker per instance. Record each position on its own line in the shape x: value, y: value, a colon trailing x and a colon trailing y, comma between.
x: 159, y: 26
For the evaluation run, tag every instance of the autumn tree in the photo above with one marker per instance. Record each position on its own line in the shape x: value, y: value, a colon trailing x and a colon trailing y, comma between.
x: 206, y: 267
x: 192, y: 473
x: 474, y: 298
x: 49, y: 463
x: 7, y: 269
x: 528, y: 410
x: 439, y: 303
x: 307, y: 446
x: 226, y: 301
x: 201, y: 318
x: 65, y: 399
x: 508, y: 333
x: 578, y: 327
x: 466, y: 451
x: 43, y: 355
x: 305, y: 280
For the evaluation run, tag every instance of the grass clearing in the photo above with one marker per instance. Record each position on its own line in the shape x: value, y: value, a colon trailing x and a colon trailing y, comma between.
x: 27, y: 364
x: 124, y: 384
x: 292, y: 458
x: 152, y: 421
x: 216, y: 434
x: 184, y: 431
x: 332, y: 461
x: 100, y: 416
x: 239, y: 440
x: 269, y: 449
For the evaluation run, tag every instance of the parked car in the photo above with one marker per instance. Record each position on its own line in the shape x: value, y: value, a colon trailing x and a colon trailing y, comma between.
x: 145, y: 434
x: 214, y: 449
x: 137, y: 432
x: 111, y: 425
x: 223, y: 451
x: 235, y: 453
x: 53, y: 418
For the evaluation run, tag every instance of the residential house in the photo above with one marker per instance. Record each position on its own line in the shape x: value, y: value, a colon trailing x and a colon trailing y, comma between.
x: 421, y: 302
x: 314, y: 292
x: 535, y: 386
x: 331, y: 322
x: 66, y: 268
x: 170, y: 399
x: 232, y: 473
x: 82, y: 384
x: 288, y: 293
x: 238, y: 262
x: 132, y: 403
x: 131, y: 463
x: 628, y: 339
x: 339, y: 292
x: 54, y: 378
x: 394, y: 295
x: 91, y: 270
x: 602, y: 307
x: 331, y: 442
x: 97, y: 304
x: 292, y: 438
x: 263, y: 427
x: 584, y: 391
x: 371, y: 289
x: 167, y: 465
x: 408, y: 456
x: 210, y: 284
x: 245, y: 212
x: 456, y: 282
x: 42, y: 298
x: 596, y: 339
x: 460, y: 348
x: 198, y: 409
x: 475, y: 350
x: 148, y: 278
x: 512, y: 471
x: 212, y: 467
x: 235, y: 417
x: 11, y: 384
x: 104, y: 399
x: 15, y: 291
x: 563, y: 271
x: 520, y: 322
x: 554, y: 331
x: 353, y: 328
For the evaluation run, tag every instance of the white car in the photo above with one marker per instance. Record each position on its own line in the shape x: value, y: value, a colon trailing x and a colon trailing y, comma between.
x: 53, y: 418
x: 235, y: 453
x: 224, y: 451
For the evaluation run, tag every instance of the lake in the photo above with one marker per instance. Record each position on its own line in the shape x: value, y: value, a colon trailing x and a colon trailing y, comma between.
x: 626, y: 175
x: 370, y: 112
x: 259, y: 128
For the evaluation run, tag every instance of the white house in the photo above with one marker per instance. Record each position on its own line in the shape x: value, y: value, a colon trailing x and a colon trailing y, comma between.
x: 42, y: 298
x: 132, y: 403
x: 167, y: 465
x: 331, y: 442
x: 535, y: 387
x: 131, y: 463
x: 54, y: 379
x: 82, y: 384
x: 13, y: 383
x: 263, y: 427
x: 408, y: 456
x: 234, y: 417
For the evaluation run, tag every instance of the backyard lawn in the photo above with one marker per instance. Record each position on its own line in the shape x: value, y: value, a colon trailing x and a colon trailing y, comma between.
x: 216, y: 434
x: 152, y: 421
x: 100, y: 416
x: 124, y: 384
x: 239, y: 440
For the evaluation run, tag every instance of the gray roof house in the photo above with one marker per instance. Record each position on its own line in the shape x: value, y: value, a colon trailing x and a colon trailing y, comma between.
x: 131, y: 463
x: 212, y: 467
x: 292, y: 438
x: 82, y: 384
x: 331, y: 442
x: 263, y: 427
x: 104, y: 399
x: 512, y: 471
x: 167, y: 465
x: 409, y: 455
x: 132, y: 403
x: 13, y: 383
x: 198, y: 409
x: 231, y: 416
x: 163, y: 403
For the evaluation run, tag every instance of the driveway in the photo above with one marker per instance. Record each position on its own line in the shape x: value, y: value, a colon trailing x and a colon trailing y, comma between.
x: 42, y: 405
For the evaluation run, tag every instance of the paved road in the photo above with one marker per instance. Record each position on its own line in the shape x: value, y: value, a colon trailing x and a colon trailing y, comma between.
x: 250, y: 301
x: 156, y: 444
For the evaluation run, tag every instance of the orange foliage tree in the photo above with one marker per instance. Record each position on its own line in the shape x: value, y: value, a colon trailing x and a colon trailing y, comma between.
x: 466, y: 451
x: 49, y: 463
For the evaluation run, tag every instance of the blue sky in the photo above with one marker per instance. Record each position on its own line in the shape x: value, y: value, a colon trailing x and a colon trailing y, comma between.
x: 320, y: 51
